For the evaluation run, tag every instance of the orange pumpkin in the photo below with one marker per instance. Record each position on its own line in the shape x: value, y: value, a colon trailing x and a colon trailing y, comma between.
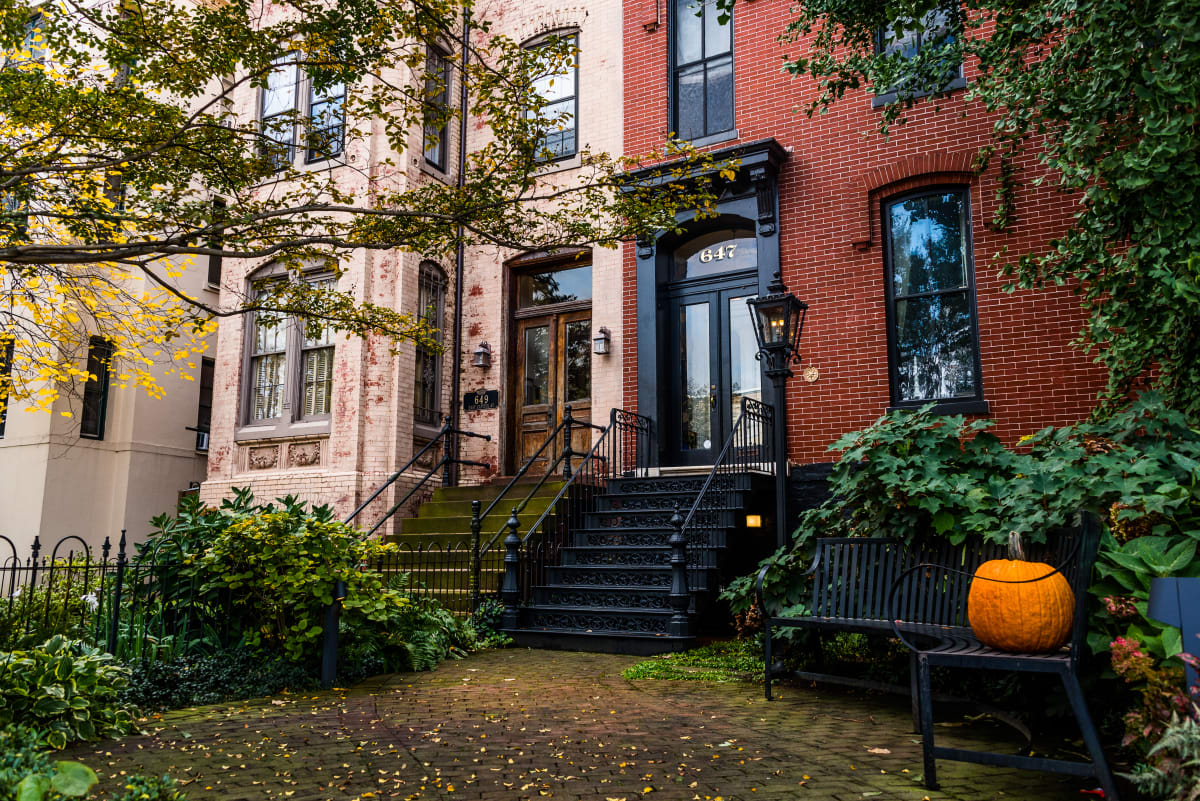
x: 1031, y: 617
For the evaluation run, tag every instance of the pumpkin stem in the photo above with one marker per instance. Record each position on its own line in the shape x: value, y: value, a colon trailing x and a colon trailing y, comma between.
x: 1015, y: 551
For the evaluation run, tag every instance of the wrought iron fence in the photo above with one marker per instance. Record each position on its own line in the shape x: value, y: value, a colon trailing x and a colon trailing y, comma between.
x: 143, y: 605
x: 452, y: 573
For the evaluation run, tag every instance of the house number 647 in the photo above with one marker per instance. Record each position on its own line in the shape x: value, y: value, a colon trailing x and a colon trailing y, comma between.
x: 717, y: 254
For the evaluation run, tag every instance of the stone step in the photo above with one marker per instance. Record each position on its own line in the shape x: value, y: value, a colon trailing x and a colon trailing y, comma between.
x: 459, y: 509
x: 599, y: 641
x: 487, y: 492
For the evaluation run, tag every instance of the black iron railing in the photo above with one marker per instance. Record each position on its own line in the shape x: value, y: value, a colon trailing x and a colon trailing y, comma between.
x: 140, y: 606
x: 447, y: 436
x: 749, y: 447
x: 622, y: 450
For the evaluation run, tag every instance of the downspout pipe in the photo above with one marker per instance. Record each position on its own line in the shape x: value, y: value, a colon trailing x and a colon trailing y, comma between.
x: 460, y: 255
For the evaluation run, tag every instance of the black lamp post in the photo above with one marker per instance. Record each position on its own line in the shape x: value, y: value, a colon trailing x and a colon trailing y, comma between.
x: 778, y: 321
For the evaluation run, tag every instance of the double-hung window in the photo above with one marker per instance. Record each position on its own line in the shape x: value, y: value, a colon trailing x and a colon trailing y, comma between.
x: 437, y: 99
x: 431, y: 299
x: 292, y: 101
x: 908, y: 42
x: 95, y: 391
x: 933, y: 333
x: 289, y: 367
x: 558, y: 91
x: 208, y: 369
x: 216, y: 242
x: 702, y: 91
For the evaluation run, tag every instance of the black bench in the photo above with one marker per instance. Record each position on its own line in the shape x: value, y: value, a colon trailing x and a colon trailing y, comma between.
x: 878, y: 586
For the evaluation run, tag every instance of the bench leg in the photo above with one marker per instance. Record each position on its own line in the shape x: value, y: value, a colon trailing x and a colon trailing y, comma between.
x: 926, y: 703
x: 914, y: 691
x: 1079, y: 705
x: 767, y: 656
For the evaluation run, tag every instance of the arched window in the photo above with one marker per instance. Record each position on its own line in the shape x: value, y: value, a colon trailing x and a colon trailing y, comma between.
x: 431, y: 307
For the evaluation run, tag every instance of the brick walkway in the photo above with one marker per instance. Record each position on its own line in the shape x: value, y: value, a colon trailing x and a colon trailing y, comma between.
x: 527, y: 724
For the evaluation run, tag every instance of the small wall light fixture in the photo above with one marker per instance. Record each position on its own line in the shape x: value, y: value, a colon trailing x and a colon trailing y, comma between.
x: 483, y: 356
x: 753, y: 521
x: 602, y: 342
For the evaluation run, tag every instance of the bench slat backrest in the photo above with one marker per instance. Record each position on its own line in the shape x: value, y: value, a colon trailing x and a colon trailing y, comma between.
x: 854, y: 576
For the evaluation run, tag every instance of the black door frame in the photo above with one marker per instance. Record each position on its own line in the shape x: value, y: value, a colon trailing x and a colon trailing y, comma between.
x: 750, y: 200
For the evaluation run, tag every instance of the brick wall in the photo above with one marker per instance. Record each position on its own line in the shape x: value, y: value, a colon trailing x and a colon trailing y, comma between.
x: 830, y: 188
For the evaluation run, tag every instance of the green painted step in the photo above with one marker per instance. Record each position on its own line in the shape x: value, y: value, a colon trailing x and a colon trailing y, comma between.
x: 487, y: 492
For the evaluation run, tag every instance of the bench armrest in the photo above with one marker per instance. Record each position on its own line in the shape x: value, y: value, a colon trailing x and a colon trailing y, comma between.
x: 762, y: 577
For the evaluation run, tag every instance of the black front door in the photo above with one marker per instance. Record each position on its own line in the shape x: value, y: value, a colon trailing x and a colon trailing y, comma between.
x: 712, y: 365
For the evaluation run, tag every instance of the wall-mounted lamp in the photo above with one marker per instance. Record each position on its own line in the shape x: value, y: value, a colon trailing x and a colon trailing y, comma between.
x: 602, y: 342
x: 753, y: 521
x: 482, y: 356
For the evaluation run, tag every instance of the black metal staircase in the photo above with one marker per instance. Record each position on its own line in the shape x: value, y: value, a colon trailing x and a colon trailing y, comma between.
x: 595, y: 570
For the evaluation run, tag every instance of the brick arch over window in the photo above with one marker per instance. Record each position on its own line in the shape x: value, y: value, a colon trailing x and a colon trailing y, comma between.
x: 563, y: 21
x: 903, y: 175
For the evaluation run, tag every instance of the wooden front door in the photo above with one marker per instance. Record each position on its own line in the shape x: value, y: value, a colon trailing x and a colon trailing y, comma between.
x: 553, y: 368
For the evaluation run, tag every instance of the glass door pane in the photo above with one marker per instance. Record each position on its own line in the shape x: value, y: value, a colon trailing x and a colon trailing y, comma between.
x: 696, y: 385
x: 745, y: 375
x: 537, y: 366
x: 578, y: 360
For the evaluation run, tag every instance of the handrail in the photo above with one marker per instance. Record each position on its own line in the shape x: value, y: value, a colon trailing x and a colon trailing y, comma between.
x: 747, y: 413
x: 591, y: 455
x: 569, y: 422
x: 444, y: 436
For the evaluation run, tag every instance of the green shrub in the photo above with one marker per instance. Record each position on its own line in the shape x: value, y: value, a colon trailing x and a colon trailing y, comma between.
x: 1176, y: 762
x: 65, y: 689
x: 150, y: 788
x: 486, y: 622
x: 235, y: 674
x: 28, y: 774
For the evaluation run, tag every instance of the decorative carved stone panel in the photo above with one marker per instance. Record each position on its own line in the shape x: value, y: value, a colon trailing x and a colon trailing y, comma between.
x: 304, y: 454
x: 262, y: 457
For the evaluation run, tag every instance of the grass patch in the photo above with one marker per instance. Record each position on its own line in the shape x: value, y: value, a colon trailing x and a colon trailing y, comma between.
x: 724, y: 661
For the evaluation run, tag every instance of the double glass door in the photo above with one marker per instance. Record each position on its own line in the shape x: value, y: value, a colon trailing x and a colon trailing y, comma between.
x: 713, y: 366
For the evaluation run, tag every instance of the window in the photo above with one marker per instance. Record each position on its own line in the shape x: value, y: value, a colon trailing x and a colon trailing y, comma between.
x: 279, y: 99
x: 933, y: 333
x: 558, y: 286
x: 703, y: 71
x: 6, y: 357
x: 280, y: 111
x: 327, y: 121
x: 559, y: 92
x: 908, y: 43
x: 208, y: 369
x: 431, y: 300
x: 437, y: 95
x: 95, y: 391
x: 289, y: 366
x: 216, y: 242
x: 33, y: 47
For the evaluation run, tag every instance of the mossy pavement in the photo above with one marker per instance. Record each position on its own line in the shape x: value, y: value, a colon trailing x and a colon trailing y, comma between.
x: 516, y: 724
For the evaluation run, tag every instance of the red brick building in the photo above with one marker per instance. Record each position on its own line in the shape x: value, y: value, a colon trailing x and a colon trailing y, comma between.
x: 887, y: 240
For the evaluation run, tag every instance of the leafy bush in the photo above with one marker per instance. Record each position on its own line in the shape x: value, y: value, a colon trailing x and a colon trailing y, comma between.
x: 486, y: 621
x: 28, y: 774
x: 66, y: 689
x: 150, y: 788
x: 1175, y: 758
x: 230, y: 675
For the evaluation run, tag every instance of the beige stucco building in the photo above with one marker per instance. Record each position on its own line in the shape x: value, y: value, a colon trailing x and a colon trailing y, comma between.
x: 121, y: 458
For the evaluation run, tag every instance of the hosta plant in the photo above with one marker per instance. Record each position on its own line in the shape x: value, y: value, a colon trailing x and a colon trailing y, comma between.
x: 65, y: 689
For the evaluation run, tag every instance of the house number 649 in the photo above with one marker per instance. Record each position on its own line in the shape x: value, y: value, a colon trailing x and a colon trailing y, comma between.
x: 717, y: 254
